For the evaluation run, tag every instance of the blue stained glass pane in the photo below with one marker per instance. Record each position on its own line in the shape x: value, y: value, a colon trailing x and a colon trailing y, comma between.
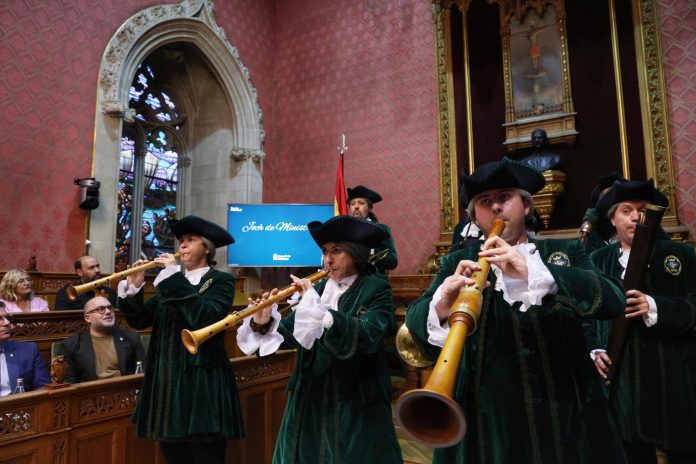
x: 123, y: 218
x: 153, y: 101
x: 168, y: 101
x: 159, y: 206
x: 164, y: 117
x: 160, y: 172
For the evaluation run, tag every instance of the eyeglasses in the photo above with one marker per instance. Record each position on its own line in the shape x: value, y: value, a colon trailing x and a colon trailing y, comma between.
x: 101, y: 309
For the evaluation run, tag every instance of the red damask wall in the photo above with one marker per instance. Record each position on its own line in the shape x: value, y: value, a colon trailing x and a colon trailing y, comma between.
x: 678, y: 27
x: 50, y: 53
x: 366, y: 68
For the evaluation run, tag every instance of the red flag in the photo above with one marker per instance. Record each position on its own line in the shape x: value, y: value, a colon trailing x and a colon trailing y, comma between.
x: 340, y: 203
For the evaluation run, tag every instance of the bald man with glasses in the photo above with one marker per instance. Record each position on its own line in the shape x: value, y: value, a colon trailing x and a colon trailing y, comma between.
x: 103, y: 350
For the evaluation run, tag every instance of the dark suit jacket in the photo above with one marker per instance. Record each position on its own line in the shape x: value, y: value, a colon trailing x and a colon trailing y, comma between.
x: 79, y: 353
x: 24, y: 360
x: 64, y: 303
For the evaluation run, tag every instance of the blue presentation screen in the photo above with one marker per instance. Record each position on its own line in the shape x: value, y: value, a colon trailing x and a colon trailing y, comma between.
x: 274, y: 235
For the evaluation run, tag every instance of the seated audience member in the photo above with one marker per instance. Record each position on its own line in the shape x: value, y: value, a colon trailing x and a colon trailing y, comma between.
x: 103, y: 350
x: 87, y: 268
x: 19, y: 360
x: 17, y: 292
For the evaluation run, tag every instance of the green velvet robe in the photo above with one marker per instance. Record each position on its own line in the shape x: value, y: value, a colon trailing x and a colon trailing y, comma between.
x: 185, y: 396
x: 340, y: 393
x: 654, y: 397
x: 526, y: 382
x: 390, y: 261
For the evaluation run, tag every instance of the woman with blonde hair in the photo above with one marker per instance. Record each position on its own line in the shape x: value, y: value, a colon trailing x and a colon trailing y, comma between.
x: 17, y: 291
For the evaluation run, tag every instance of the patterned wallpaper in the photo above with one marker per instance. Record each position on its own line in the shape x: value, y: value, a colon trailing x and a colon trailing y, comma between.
x: 363, y: 67
x: 678, y: 27
x: 49, y: 61
x: 366, y: 68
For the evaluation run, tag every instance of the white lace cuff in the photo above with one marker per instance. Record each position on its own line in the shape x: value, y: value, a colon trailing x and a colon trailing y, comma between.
x: 593, y: 353
x: 127, y: 291
x: 530, y: 292
x: 249, y: 341
x: 310, y: 319
x: 437, y: 334
x: 650, y: 319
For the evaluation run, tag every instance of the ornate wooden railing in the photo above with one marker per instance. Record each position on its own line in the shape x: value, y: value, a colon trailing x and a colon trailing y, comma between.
x: 90, y: 421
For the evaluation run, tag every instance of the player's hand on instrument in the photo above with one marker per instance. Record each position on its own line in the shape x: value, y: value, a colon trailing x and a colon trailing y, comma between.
x: 510, y: 261
x: 302, y: 284
x: 636, y: 303
x: 602, y: 361
x: 165, y: 260
x: 451, y: 286
x: 263, y: 316
x: 136, y: 279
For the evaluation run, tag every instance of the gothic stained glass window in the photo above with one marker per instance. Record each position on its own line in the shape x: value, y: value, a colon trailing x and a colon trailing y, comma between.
x: 148, y: 170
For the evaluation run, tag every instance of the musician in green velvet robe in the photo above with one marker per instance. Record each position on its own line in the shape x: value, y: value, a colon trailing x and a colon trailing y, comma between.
x: 360, y: 203
x: 189, y: 403
x: 653, y: 397
x: 602, y: 230
x: 525, y: 382
x: 340, y: 393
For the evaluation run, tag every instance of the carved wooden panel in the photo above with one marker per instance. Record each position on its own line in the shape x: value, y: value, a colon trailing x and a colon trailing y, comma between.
x: 105, y: 404
x: 19, y: 422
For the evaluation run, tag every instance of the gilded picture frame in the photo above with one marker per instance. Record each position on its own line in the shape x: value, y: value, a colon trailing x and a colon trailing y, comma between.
x: 536, y: 71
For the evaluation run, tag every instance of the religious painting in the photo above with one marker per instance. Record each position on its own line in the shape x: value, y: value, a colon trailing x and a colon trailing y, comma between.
x: 536, y: 68
x: 535, y: 59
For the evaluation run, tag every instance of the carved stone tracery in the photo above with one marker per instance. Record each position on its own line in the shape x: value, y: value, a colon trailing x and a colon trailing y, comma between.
x: 140, y: 24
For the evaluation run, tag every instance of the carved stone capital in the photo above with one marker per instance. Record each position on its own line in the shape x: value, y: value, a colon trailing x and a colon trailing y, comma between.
x: 184, y: 161
x: 118, y: 111
x: 243, y: 154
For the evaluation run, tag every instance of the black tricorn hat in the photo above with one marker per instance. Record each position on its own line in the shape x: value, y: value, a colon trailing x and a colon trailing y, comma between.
x: 630, y: 190
x: 505, y: 173
x: 604, y: 182
x: 347, y: 229
x: 360, y: 191
x: 198, y: 226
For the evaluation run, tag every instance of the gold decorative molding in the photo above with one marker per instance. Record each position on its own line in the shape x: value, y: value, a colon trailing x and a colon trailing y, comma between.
x: 545, y: 199
x: 616, y: 57
x: 653, y: 99
x: 446, y: 127
x: 654, y: 111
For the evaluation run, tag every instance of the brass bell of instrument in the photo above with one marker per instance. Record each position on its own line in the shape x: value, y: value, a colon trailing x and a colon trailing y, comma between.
x: 408, y: 349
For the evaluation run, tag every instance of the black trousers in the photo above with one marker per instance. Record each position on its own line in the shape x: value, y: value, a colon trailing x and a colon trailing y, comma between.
x: 194, y: 452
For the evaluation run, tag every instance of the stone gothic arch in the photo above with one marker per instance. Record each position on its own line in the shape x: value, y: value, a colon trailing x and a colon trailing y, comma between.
x: 236, y: 157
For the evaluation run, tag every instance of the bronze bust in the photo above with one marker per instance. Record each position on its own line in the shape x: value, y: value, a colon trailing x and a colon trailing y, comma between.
x: 541, y: 160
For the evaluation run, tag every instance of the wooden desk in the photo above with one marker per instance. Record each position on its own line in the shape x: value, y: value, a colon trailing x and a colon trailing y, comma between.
x: 90, y: 422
